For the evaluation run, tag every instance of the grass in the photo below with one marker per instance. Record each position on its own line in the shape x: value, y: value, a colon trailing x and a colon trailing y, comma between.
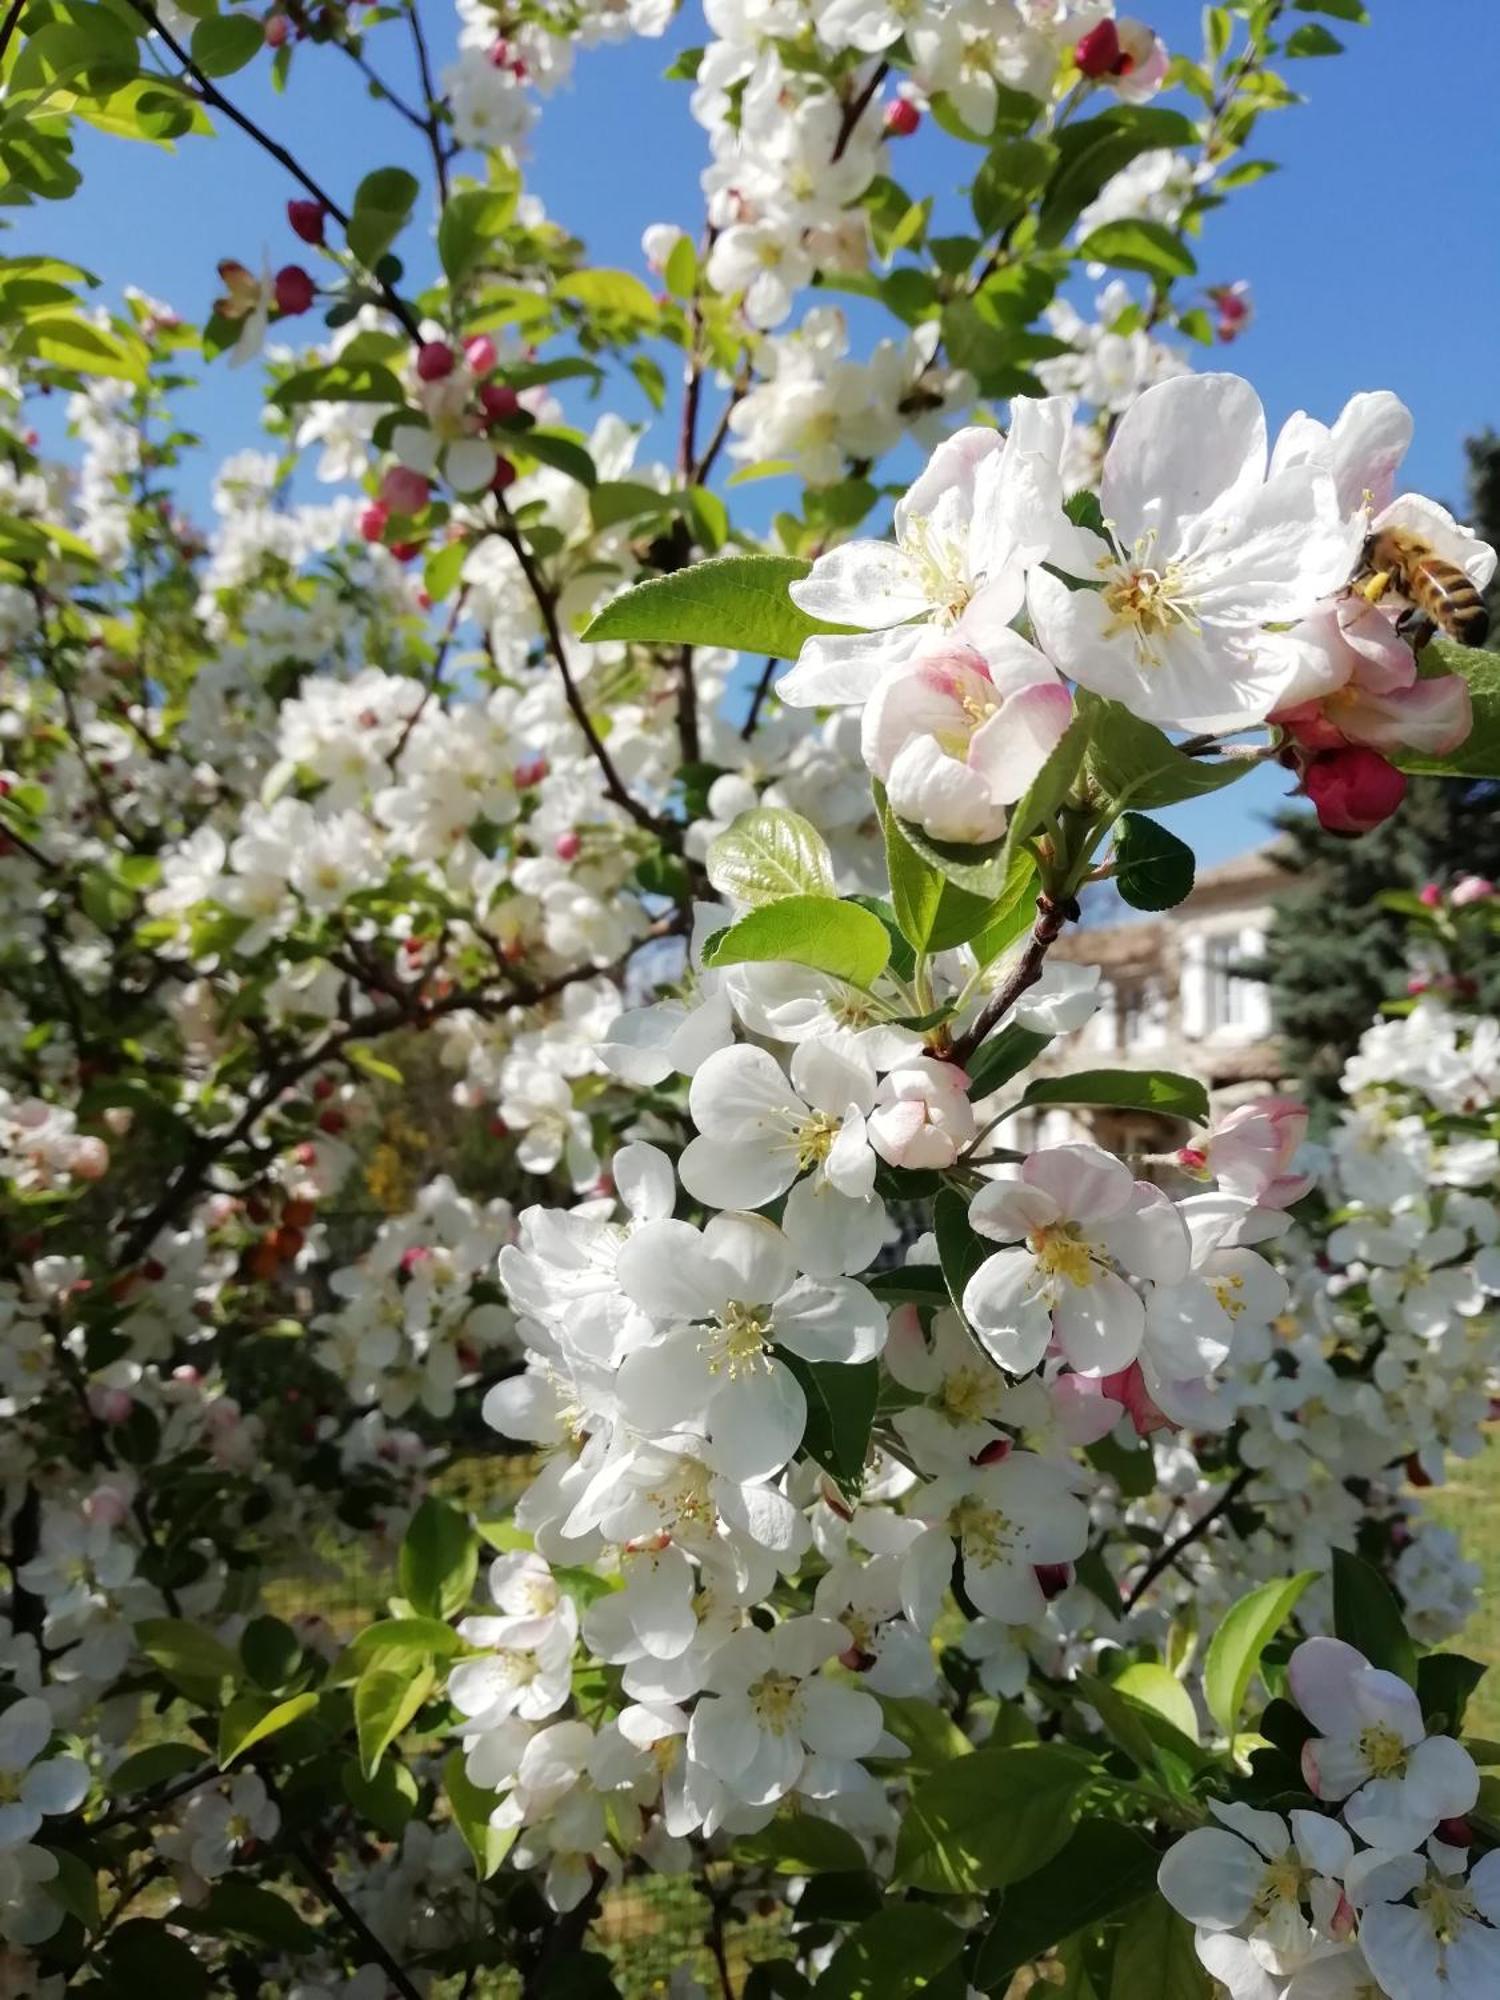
x: 1470, y: 1505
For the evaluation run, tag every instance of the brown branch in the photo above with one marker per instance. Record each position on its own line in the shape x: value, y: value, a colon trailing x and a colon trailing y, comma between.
x: 546, y: 603
x: 11, y: 22
x: 762, y: 689
x: 334, y: 1896
x: 855, y: 109
x: 1165, y: 1557
x: 434, y: 678
x: 430, y: 124
x: 1050, y: 918
x: 210, y: 93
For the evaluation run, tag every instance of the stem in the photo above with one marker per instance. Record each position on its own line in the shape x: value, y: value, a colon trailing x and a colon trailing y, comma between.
x: 210, y: 93
x: 1165, y: 1557
x: 332, y: 1894
x: 430, y: 100
x: 546, y: 604
x: 123, y: 1815
x: 855, y: 109
x: 762, y: 689
x: 1050, y: 918
x: 11, y: 22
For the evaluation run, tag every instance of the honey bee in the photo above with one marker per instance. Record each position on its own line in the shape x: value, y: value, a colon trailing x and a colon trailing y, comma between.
x: 1441, y: 597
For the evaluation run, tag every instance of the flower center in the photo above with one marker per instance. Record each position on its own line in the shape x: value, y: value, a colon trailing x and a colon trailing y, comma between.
x: 984, y: 1533
x: 1281, y: 1883
x: 1228, y: 1291
x: 1151, y: 601
x: 740, y: 1339
x: 776, y: 1700
x: 1447, y: 1908
x: 1062, y: 1253
x: 965, y: 1395
x: 1383, y: 1750
x: 813, y: 1139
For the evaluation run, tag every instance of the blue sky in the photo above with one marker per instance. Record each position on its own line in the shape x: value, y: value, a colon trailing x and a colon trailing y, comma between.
x: 1371, y: 253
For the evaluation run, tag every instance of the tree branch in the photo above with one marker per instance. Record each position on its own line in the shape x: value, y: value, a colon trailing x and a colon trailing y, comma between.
x: 855, y: 109
x: 1050, y: 918
x: 1165, y: 1557
x: 762, y: 689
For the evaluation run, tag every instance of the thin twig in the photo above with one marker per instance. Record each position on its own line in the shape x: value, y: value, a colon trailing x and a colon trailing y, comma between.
x: 1050, y: 918
x: 178, y: 1789
x: 546, y: 604
x: 210, y: 93
x: 762, y: 689
x: 434, y: 678
x: 332, y: 1894
x: 431, y: 124
x: 1165, y: 1557
x: 855, y: 109
x: 11, y: 22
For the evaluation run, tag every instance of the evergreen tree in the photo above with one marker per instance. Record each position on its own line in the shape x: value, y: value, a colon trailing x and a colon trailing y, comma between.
x: 1333, y: 954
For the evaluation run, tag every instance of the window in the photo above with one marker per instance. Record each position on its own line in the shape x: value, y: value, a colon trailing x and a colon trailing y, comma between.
x: 1228, y: 1002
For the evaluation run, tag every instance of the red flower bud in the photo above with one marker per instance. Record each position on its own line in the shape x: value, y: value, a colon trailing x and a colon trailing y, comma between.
x: 372, y: 521
x: 1098, y: 53
x: 275, y: 29
x: 435, y: 361
x: 405, y: 551
x: 505, y: 475
x: 307, y: 219
x: 901, y: 118
x: 295, y: 290
x: 404, y: 491
x: 499, y: 402
x: 1353, y: 790
x: 1054, y: 1578
x: 567, y: 846
x: 1455, y: 1832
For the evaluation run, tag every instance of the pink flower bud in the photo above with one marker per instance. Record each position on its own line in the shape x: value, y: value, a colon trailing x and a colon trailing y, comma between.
x: 435, y: 361
x: 1353, y: 790
x: 1054, y: 1578
x: 901, y: 118
x: 479, y: 353
x: 530, y: 771
x: 372, y: 521
x: 90, y: 1160
x: 499, y: 402
x: 567, y: 846
x: 1472, y: 889
x: 110, y: 1406
x: 404, y: 491
x: 107, y: 1506
x: 275, y: 30
x: 1430, y: 895
x: 505, y: 476
x: 295, y: 290
x: 307, y: 219
x: 1455, y: 1832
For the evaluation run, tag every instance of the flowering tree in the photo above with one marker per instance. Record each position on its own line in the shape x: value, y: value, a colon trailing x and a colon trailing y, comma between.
x: 908, y: 1514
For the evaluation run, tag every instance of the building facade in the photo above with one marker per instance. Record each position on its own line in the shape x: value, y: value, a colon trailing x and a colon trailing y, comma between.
x: 1175, y: 998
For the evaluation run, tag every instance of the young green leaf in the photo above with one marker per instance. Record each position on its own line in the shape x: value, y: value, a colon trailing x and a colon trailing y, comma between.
x: 1160, y: 1090
x: 737, y: 601
x: 838, y: 938
x: 768, y: 853
x: 1153, y: 868
x: 987, y: 1820
x: 1244, y: 1632
x: 1367, y: 1617
x: 439, y: 1559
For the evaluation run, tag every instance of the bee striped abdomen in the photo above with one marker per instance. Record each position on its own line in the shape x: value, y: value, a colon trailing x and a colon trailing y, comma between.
x: 1450, y: 600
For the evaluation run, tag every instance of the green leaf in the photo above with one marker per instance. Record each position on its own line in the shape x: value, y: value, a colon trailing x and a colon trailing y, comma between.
x: 981, y: 870
x: 1159, y: 1090
x: 1244, y: 1632
x: 471, y: 220
x: 226, y: 42
x: 441, y: 572
x: 934, y: 912
x: 1104, y: 1869
x: 1153, y: 868
x: 75, y: 1886
x: 799, y: 1843
x: 609, y: 292
x: 563, y: 453
x: 892, y: 1954
x: 383, y: 203
x: 1134, y: 764
x: 1093, y: 150
x: 387, y: 1800
x: 1048, y: 789
x: 142, y: 1956
x: 1003, y: 1056
x: 68, y: 341
x: 840, y: 939
x: 157, y: 1764
x: 385, y: 1700
x: 271, y: 1651
x: 191, y: 1659
x: 340, y: 382
x: 250, y: 1719
x: 239, y: 1908
x: 439, y: 1559
x: 735, y: 601
x: 1144, y: 1733
x: 1312, y: 40
x: 616, y: 500
x: 1011, y: 174
x: 1156, y: 1956
x: 396, y: 1642
x: 1341, y: 10
x: 472, y: 1807
x: 987, y: 1820
x: 1367, y: 1617
x: 767, y: 854
x: 681, y: 268
x: 960, y: 1251
x: 841, y: 1398
x: 1479, y: 755
x: 1444, y: 1683
x: 1156, y: 1687
x: 932, y: 1738
x: 1139, y: 245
